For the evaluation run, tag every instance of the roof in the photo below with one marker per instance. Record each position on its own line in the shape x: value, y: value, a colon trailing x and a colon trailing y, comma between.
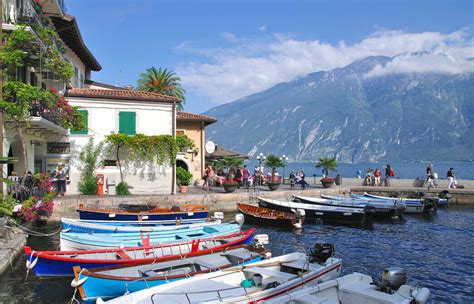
x: 121, y: 94
x: 186, y: 116
x: 222, y: 152
x: 67, y: 28
x: 103, y: 85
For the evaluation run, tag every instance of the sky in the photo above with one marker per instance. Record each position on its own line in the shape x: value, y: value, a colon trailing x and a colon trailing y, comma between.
x: 225, y: 49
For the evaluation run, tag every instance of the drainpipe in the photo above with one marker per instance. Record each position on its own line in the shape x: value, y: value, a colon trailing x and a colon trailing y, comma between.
x: 173, y: 132
x: 1, y: 98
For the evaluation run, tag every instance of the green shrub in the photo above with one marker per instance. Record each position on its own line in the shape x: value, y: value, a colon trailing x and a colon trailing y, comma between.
x: 88, y: 185
x: 183, y: 176
x: 122, y: 189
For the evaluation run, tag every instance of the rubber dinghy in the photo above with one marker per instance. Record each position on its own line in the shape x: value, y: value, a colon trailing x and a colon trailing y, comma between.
x: 355, y: 288
x: 325, y: 214
x: 112, y: 282
x: 187, y: 211
x: 91, y: 241
x: 91, y: 226
x: 60, y: 263
x: 246, y: 284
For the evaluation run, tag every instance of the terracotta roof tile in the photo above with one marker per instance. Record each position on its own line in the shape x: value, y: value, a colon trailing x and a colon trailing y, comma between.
x: 186, y: 116
x: 121, y: 94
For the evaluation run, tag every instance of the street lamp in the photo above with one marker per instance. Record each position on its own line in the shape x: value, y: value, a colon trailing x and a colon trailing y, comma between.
x: 284, y: 159
x: 260, y: 159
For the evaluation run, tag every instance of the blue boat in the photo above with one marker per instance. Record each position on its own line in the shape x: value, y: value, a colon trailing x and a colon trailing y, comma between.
x: 71, y: 241
x: 185, y: 212
x: 112, y: 282
x: 60, y: 263
x: 90, y: 226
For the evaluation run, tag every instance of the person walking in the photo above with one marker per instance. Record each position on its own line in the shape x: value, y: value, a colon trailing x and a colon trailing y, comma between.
x: 452, y: 183
x: 61, y: 176
x: 377, y: 176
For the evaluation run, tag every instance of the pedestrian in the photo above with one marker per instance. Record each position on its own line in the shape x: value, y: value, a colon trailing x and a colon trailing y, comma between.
x: 452, y: 183
x: 389, y: 173
x: 61, y: 176
x: 377, y: 176
x: 245, y: 176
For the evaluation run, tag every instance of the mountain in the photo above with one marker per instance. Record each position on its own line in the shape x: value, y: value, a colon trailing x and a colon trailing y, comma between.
x: 354, y: 116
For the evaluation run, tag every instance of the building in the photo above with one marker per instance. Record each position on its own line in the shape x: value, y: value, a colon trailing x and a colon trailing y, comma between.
x: 192, y: 125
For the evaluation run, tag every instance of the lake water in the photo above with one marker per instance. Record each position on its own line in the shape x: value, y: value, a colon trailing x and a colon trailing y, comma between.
x: 412, y: 170
x: 435, y: 251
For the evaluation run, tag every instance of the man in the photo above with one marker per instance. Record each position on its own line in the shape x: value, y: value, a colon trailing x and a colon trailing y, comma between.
x: 452, y: 183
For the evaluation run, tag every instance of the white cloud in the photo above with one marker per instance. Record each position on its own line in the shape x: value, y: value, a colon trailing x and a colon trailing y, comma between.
x: 251, y: 66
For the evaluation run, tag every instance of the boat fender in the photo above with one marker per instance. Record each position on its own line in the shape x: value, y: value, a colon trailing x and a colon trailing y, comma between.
x: 239, y: 219
x: 75, y: 283
x: 422, y: 295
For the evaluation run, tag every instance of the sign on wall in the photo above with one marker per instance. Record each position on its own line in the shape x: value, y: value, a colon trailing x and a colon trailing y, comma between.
x: 58, y: 148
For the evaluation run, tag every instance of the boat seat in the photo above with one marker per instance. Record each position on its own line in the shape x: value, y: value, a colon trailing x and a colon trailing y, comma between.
x: 123, y: 255
x: 270, y: 272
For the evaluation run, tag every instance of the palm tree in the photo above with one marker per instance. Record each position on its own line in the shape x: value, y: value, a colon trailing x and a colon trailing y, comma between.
x: 327, y: 163
x: 274, y: 162
x: 162, y: 81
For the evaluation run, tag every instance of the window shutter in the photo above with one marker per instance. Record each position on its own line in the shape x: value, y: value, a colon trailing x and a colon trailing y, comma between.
x: 85, y: 117
x: 127, y: 123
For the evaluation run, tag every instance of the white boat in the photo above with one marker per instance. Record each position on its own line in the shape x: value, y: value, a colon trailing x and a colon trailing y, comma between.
x: 355, y: 288
x: 250, y: 283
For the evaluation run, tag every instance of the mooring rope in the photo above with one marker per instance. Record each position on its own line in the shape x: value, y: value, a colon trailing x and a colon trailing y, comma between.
x: 35, y: 233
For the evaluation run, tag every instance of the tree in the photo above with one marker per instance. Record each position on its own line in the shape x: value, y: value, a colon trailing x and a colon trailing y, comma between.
x: 274, y: 162
x: 327, y: 163
x: 162, y: 81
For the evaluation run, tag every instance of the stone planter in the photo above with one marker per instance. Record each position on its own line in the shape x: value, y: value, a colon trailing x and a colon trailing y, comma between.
x: 327, y: 182
x: 273, y: 186
x: 229, y: 188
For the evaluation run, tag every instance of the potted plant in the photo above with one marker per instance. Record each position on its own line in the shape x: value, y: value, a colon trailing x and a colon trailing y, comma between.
x: 274, y: 162
x: 229, y: 185
x: 183, y: 179
x: 328, y: 164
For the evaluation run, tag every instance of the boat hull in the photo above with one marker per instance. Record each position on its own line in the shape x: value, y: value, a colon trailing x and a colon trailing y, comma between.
x: 60, y: 263
x: 348, y: 217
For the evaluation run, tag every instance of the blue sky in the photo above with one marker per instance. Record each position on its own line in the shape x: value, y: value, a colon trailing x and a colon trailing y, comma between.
x: 224, y: 50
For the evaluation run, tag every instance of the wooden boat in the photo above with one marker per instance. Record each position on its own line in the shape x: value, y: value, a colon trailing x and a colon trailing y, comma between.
x: 374, y: 209
x: 354, y: 288
x: 60, y: 263
x: 246, y: 284
x: 413, y: 206
x: 111, y: 282
x: 320, y: 213
x: 265, y: 216
x: 91, y: 226
x: 187, y: 211
x: 90, y: 241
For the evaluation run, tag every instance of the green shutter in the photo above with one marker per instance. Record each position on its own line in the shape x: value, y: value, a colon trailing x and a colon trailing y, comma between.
x: 85, y: 117
x: 127, y: 123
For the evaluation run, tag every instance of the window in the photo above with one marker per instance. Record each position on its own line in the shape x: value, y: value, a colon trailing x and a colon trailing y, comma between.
x: 127, y: 123
x: 85, y: 116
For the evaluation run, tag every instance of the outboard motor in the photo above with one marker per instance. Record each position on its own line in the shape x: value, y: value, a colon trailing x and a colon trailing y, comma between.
x: 392, y: 279
x: 321, y: 252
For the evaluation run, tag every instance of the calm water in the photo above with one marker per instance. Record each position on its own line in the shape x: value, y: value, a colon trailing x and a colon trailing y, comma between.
x: 464, y: 170
x: 437, y: 251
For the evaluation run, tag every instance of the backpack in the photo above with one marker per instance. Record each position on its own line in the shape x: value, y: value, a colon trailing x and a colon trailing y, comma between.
x: 391, y: 173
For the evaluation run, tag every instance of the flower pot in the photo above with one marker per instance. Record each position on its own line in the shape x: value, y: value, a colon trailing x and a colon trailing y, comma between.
x: 327, y: 183
x: 273, y: 186
x: 229, y: 187
x: 183, y: 189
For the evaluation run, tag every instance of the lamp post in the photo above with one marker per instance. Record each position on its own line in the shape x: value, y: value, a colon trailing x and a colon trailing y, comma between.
x: 260, y: 159
x: 284, y: 159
